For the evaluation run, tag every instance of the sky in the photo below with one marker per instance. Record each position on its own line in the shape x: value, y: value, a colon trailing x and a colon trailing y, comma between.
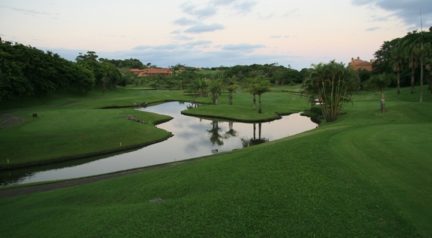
x: 209, y: 33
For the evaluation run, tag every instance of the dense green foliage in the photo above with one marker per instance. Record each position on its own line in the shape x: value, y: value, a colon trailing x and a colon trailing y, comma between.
x: 277, y: 74
x: 406, y: 57
x: 27, y: 71
x: 368, y: 175
x: 126, y: 63
x: 330, y: 85
x: 106, y: 75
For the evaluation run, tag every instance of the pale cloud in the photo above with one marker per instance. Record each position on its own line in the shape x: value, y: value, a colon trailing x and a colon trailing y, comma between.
x: 185, y: 21
x: 245, y: 6
x: 375, y: 28
x: 222, y: 2
x: 242, y: 47
x: 409, y: 11
x: 199, y: 11
x: 201, y: 28
x: 28, y: 11
x: 280, y: 36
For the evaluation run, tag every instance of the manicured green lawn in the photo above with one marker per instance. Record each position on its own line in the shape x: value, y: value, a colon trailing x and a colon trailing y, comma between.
x: 366, y: 175
x: 273, y: 103
x: 73, y: 126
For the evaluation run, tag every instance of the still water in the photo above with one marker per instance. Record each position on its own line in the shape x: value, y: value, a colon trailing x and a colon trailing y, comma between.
x: 192, y: 137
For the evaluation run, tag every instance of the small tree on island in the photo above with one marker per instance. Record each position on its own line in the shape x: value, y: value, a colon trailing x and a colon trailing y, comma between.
x: 215, y: 89
x: 380, y: 82
x: 231, y: 88
x: 257, y: 87
x: 332, y: 84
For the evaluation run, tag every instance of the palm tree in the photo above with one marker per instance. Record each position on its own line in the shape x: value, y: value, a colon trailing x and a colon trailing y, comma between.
x: 397, y: 56
x: 428, y: 62
x: 332, y: 84
x: 251, y: 83
x: 199, y: 86
x: 215, y: 89
x: 380, y: 82
x: 412, y: 51
x: 257, y: 87
x: 231, y: 87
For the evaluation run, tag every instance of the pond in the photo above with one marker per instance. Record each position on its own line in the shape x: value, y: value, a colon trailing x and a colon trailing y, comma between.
x: 192, y: 137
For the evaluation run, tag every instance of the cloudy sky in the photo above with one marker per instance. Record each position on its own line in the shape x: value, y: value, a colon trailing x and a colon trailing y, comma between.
x: 213, y: 32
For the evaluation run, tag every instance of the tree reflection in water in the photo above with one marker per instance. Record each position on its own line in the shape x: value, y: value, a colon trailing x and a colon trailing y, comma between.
x: 231, y: 132
x: 215, y: 136
x: 255, y: 140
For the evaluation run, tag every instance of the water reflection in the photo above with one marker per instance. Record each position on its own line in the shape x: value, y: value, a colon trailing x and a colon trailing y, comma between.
x: 215, y: 136
x: 255, y: 140
x: 193, y: 137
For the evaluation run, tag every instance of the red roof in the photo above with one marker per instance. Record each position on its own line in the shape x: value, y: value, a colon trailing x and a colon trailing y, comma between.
x: 151, y: 71
x: 358, y: 64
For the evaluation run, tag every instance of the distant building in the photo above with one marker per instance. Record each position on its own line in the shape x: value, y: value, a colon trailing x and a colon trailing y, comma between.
x: 151, y: 72
x: 359, y: 64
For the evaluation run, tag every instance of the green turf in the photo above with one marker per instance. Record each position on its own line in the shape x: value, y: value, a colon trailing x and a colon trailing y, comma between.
x: 73, y: 126
x: 367, y: 175
x: 274, y: 103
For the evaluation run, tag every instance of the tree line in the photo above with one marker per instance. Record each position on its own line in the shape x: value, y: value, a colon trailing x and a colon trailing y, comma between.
x: 27, y: 71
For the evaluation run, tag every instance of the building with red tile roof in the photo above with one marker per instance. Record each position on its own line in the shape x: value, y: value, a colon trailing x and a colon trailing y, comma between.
x: 151, y: 72
x: 359, y: 64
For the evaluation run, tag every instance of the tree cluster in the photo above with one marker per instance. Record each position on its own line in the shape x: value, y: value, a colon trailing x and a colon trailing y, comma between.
x: 408, y: 58
x: 27, y: 71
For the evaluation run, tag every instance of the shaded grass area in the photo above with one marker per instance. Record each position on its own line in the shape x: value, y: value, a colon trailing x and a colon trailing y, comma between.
x: 367, y: 175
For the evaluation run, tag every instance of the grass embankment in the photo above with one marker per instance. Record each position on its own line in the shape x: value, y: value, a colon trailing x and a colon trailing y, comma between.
x: 366, y: 175
x: 70, y: 127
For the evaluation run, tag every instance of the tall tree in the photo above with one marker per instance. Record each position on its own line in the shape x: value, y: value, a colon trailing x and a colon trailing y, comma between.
x: 257, y: 87
x: 332, y: 84
x: 215, y: 89
x: 412, y: 50
x: 231, y: 87
x: 397, y: 57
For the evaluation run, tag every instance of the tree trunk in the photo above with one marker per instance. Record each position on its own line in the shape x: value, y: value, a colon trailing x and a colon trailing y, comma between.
x: 430, y: 83
x: 398, y: 82
x: 412, y: 79
x: 254, y: 131
x: 254, y: 99
x: 259, y: 131
x: 421, y: 79
x: 382, y: 101
x: 259, y: 103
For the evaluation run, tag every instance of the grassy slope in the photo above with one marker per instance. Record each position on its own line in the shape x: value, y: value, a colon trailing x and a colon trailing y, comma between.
x: 368, y: 175
x: 73, y: 126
